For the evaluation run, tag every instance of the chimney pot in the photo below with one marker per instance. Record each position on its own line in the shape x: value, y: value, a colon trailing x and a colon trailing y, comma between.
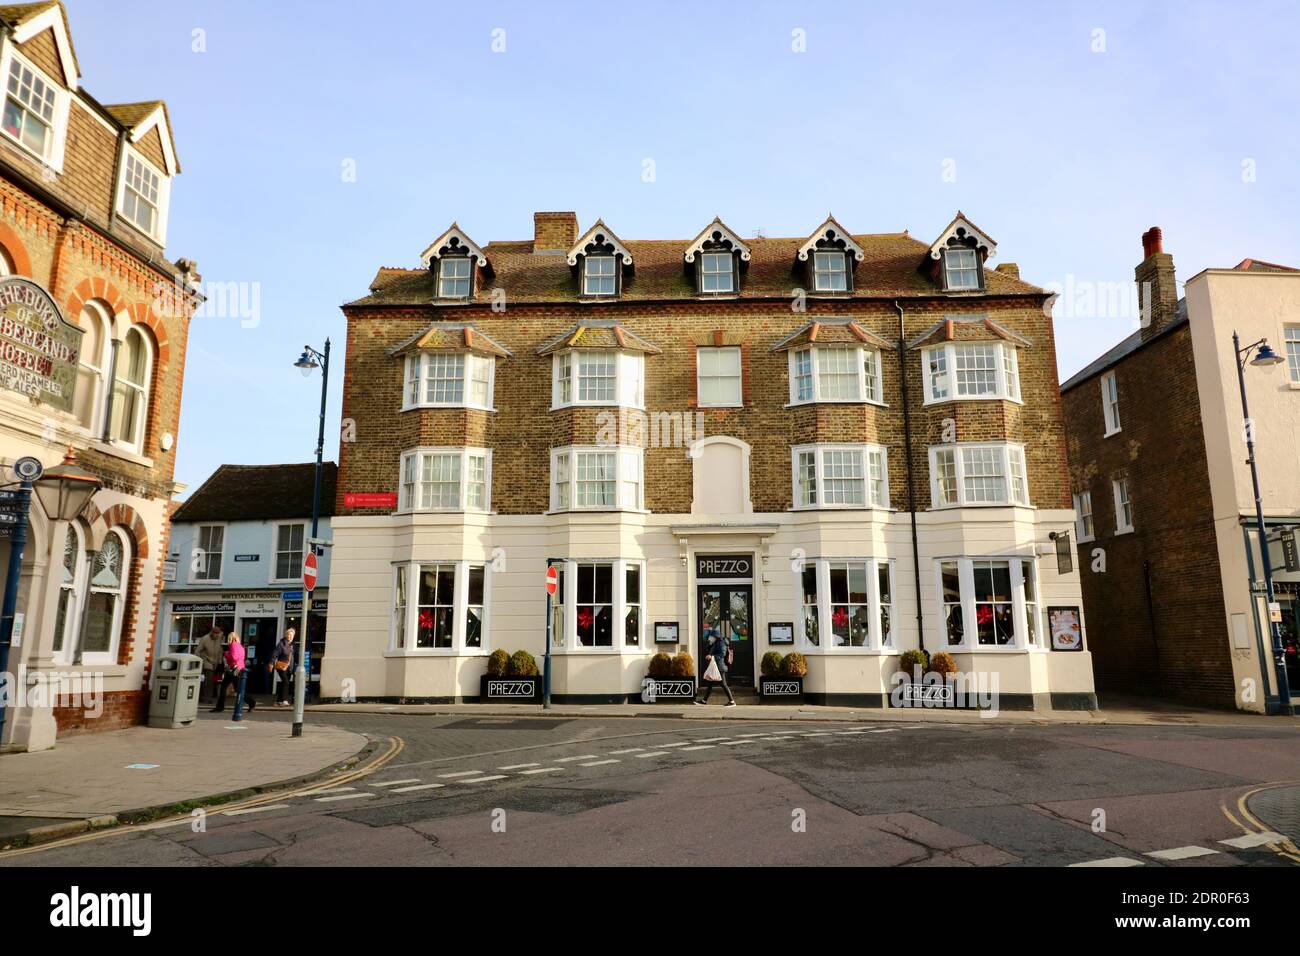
x: 1151, y: 242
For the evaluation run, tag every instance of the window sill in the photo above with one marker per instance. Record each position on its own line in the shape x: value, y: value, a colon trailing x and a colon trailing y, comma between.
x: 31, y: 154
x: 702, y: 407
x: 1114, y: 431
x: 1123, y: 531
x: 1087, y: 540
x: 439, y: 652
x: 108, y: 448
x: 973, y: 398
x: 1294, y: 386
x: 148, y: 236
x: 582, y: 649
x: 449, y: 405
x: 598, y: 511
x: 848, y: 651
x: 412, y: 512
x: 989, y: 649
x: 837, y: 401
x: 559, y: 408
x: 983, y: 504
x: 805, y: 509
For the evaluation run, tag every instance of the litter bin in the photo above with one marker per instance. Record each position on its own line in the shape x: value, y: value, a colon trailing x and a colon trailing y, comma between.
x: 175, y: 698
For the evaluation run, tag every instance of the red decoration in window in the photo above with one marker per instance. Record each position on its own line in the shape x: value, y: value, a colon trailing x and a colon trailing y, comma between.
x: 841, y: 617
x: 426, y: 620
x: 983, y: 614
x: 585, y: 618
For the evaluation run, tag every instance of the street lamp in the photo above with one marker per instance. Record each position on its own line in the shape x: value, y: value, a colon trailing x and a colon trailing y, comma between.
x: 1264, y: 357
x: 65, y: 489
x: 309, y: 360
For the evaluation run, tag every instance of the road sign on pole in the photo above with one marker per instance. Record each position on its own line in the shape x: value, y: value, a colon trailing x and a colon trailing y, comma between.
x: 309, y: 572
x: 552, y: 581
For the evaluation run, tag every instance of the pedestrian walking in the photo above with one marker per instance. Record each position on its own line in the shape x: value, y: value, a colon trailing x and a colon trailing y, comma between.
x: 281, y: 665
x: 210, y: 650
x: 719, y: 659
x: 233, y: 660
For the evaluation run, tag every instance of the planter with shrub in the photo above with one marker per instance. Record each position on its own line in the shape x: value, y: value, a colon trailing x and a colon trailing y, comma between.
x: 669, y: 680
x: 511, y: 678
x: 782, y: 678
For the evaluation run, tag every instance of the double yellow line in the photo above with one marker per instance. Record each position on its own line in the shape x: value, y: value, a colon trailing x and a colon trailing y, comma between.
x: 395, y: 746
x: 1286, y: 847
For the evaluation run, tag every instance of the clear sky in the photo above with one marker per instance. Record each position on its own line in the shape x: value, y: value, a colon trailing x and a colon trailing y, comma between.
x: 1062, y: 142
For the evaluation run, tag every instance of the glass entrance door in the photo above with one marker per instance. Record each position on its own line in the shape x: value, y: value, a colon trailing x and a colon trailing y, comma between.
x: 726, y: 609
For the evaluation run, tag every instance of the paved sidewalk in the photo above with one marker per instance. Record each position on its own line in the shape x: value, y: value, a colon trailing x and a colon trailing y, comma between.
x: 95, y: 777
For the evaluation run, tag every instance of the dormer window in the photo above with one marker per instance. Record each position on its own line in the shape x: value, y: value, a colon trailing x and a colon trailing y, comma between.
x: 716, y: 257
x: 598, y: 275
x: 454, y: 277
x: 829, y: 273
x: 29, y: 109
x: 961, y: 270
x: 140, y: 194
x: 717, y: 272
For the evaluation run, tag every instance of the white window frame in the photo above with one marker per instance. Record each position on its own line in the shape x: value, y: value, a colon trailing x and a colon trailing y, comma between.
x: 588, y: 277
x: 970, y: 631
x: 410, y: 616
x: 159, y: 233
x: 76, y: 593
x: 455, y: 280
x: 705, y: 272
x: 408, y: 495
x: 950, y: 270
x: 629, y: 379
x: 941, y: 385
x: 56, y: 148
x: 140, y: 393
x: 700, y: 376
x: 869, y: 455
x: 566, y: 640
x: 1011, y: 453
x: 97, y: 365
x: 1084, y: 527
x: 1110, y: 404
x: 416, y: 377
x: 876, y: 641
x: 813, y: 353
x: 1123, y: 502
x: 196, y: 550
x: 109, y: 656
x: 276, y: 552
x: 1291, y: 346
x: 628, y: 478
x: 821, y: 257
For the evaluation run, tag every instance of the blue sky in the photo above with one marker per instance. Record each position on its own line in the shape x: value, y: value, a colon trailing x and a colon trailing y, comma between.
x: 1063, y: 143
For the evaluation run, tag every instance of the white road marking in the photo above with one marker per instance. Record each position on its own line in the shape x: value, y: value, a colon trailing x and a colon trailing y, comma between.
x: 1182, y: 853
x: 423, y: 786
x: 680, y: 743
x: 885, y: 730
x: 312, y: 793
x: 459, y: 773
x: 579, y: 757
x: 699, y: 747
x: 519, y: 766
x: 820, y: 733
x: 737, y: 743
x: 763, y: 734
x: 345, y: 796
x: 525, y: 773
x: 1254, y: 839
x: 654, y: 753
x: 240, y: 813
x: 598, y: 763
x: 629, y: 750
x: 711, y: 740
x: 499, y: 776
x: 1112, y: 861
x: 393, y: 783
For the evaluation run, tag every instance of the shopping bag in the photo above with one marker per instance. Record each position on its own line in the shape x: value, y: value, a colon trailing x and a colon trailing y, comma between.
x: 711, y: 672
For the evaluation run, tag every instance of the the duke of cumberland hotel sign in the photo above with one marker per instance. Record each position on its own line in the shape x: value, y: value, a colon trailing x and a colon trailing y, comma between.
x: 38, y: 349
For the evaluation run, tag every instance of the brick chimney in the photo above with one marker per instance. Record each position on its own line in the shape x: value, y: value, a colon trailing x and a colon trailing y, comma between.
x: 1157, y: 288
x: 554, y: 231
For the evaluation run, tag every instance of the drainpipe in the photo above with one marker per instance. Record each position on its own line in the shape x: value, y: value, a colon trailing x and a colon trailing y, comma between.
x: 911, y: 477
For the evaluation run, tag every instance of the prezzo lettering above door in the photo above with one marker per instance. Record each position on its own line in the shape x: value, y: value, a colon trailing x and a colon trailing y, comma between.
x: 739, y: 566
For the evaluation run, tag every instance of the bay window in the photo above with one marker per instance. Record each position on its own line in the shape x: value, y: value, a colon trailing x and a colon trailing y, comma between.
x: 835, y: 374
x: 597, y: 601
x: 598, y: 377
x: 1000, y: 595
x: 971, y: 370
x: 440, y: 607
x: 840, y: 476
x: 855, y: 595
x: 978, y: 474
x: 599, y: 478
x: 449, y: 380
x: 446, y: 479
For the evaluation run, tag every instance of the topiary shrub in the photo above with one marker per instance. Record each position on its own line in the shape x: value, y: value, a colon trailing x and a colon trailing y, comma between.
x: 497, y: 661
x: 794, y: 665
x: 909, y: 661
x: 943, y: 664
x: 661, y: 665
x: 683, y: 665
x: 770, y: 665
x: 522, y: 664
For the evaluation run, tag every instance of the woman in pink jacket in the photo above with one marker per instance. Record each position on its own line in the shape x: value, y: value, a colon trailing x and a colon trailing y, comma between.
x: 234, y: 660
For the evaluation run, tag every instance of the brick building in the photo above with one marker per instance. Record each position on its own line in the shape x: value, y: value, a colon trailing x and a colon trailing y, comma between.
x: 1166, y: 525
x: 92, y: 350
x: 841, y: 444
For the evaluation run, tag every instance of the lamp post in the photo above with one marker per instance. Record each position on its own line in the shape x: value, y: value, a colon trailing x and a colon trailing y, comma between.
x: 63, y: 492
x: 1263, y: 358
x: 309, y: 360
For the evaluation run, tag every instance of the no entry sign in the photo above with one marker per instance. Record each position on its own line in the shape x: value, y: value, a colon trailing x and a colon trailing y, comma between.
x: 309, y: 571
x: 552, y: 581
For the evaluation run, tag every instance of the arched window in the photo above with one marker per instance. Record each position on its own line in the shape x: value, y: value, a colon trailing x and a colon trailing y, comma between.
x: 107, y: 599
x: 130, y: 390
x: 89, y: 401
x: 70, y: 577
x: 6, y: 263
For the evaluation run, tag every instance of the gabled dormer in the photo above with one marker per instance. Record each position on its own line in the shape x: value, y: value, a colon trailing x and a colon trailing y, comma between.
x: 38, y: 68
x: 145, y: 168
x: 715, y: 259
x: 458, y: 265
x: 956, y: 259
x: 828, y: 259
x: 599, y: 260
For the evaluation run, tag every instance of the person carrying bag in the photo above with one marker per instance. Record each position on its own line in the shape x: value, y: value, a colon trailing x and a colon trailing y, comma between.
x: 281, y: 665
x: 720, y: 655
x: 232, y: 667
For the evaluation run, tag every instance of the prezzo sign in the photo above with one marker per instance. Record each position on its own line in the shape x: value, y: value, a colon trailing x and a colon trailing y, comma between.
x: 653, y: 689
x: 512, y: 688
x: 724, y: 566
x: 39, y: 349
x: 782, y: 688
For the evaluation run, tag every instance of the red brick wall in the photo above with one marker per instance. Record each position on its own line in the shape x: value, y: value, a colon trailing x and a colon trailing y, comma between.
x: 120, y: 710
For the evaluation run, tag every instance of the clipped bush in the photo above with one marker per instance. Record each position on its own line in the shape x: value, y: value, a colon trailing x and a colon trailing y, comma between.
x: 943, y: 664
x: 794, y: 665
x: 909, y: 661
x: 661, y: 665
x: 683, y: 665
x: 522, y: 664
x: 770, y: 665
x: 497, y: 662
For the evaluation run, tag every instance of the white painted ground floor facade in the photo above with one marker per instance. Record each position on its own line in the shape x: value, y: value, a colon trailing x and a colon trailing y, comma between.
x: 419, y: 601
